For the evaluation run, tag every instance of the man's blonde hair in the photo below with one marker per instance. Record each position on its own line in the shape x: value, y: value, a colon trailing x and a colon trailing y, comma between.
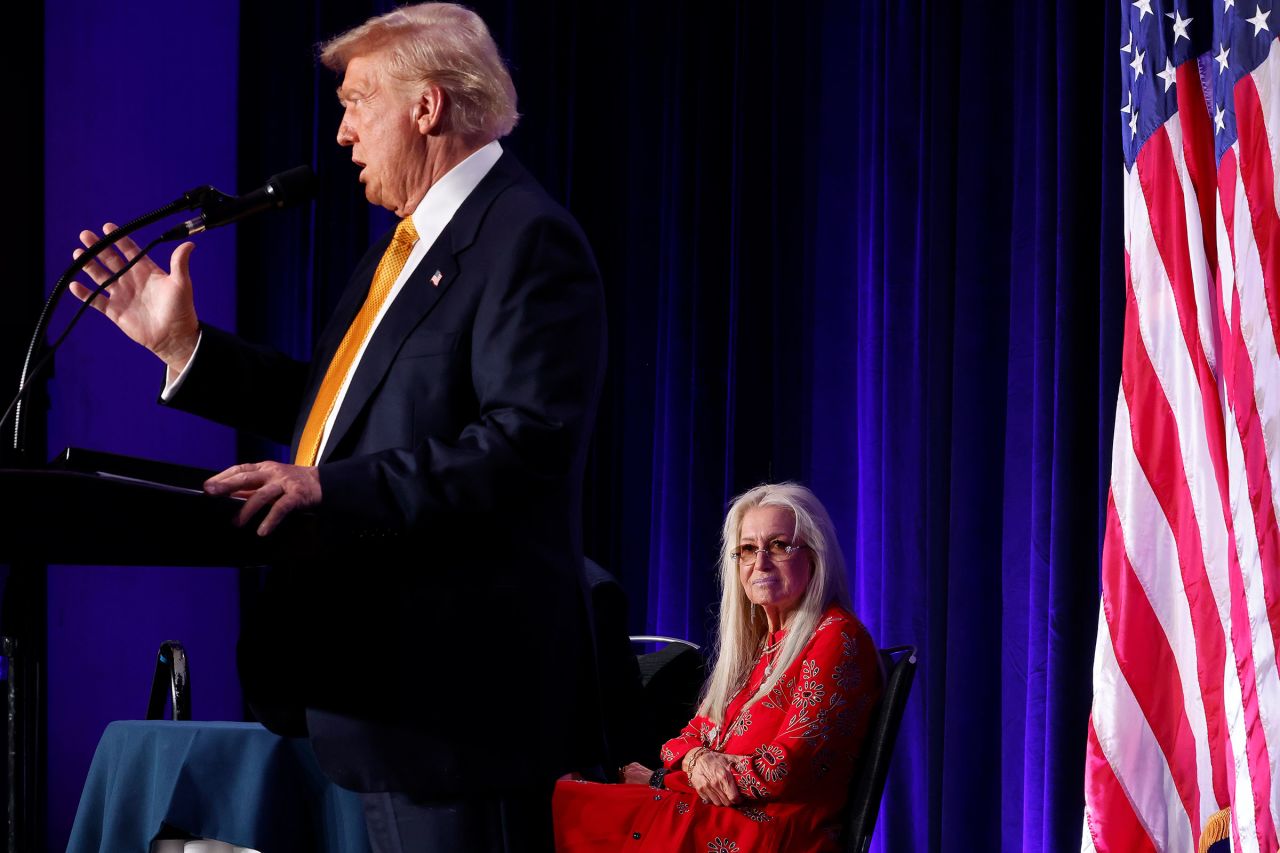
x: 445, y: 44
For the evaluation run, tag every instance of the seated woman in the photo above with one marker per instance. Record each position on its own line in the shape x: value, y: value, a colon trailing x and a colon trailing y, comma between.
x: 766, y: 763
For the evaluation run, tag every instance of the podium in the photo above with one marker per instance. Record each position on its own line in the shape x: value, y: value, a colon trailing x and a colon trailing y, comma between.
x: 104, y: 518
x: 101, y: 509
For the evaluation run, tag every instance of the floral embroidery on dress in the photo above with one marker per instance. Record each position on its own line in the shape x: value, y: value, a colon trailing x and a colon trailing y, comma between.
x: 810, y: 669
x: 830, y: 620
x: 819, y: 729
x: 770, y: 762
x: 751, y: 788
x: 846, y: 676
x: 848, y: 645
x: 777, y: 698
x: 741, y: 724
x: 682, y: 807
x: 722, y: 845
x: 756, y: 814
x: 848, y: 716
x: 811, y: 693
x: 667, y: 755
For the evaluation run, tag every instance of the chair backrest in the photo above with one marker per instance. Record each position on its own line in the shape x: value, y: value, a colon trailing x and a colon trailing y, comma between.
x: 663, y: 640
x: 645, y: 698
x: 672, y: 678
x: 867, y: 785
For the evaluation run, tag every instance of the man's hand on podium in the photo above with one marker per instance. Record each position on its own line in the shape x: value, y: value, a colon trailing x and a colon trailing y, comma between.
x: 282, y: 487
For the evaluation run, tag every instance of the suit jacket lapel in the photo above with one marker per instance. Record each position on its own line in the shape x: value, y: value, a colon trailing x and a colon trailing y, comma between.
x: 348, y: 306
x: 414, y: 301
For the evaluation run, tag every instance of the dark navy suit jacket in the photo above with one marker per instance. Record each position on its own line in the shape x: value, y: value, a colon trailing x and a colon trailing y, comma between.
x: 449, y: 651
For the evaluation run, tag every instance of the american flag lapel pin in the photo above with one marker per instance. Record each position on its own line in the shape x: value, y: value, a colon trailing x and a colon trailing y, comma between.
x: 435, y: 279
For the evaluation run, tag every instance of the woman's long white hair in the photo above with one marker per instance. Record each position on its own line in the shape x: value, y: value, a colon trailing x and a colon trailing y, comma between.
x: 741, y: 632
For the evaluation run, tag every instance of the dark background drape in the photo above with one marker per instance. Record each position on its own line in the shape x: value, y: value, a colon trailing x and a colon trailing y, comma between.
x: 871, y: 246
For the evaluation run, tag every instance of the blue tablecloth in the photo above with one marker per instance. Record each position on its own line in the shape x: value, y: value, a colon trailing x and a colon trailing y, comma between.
x: 234, y: 782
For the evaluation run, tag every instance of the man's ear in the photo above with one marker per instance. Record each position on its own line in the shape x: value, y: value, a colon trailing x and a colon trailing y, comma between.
x: 428, y: 111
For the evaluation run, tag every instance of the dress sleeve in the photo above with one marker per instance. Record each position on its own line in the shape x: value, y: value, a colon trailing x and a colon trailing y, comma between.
x: 693, y: 735
x: 826, y: 705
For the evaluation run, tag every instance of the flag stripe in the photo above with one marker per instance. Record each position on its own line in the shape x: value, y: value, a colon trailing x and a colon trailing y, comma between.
x: 1255, y: 668
x: 1252, y: 342
x: 1259, y: 485
x: 1150, y: 547
x: 1227, y: 180
x: 1148, y: 665
x: 1259, y: 187
x: 1136, y: 761
x: 1113, y: 818
x: 1267, y: 97
x: 1261, y: 338
x: 1197, y: 151
x: 1243, y: 825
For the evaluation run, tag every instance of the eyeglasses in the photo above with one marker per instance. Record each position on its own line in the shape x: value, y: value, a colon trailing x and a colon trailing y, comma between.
x: 780, y: 551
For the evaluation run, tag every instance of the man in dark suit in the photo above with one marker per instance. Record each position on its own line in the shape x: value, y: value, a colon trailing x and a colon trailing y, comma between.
x: 442, y: 665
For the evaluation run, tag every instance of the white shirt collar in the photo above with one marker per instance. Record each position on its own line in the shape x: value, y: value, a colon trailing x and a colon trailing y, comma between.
x: 446, y: 195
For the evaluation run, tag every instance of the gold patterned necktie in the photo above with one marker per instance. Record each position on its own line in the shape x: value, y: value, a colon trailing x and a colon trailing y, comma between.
x: 389, y: 268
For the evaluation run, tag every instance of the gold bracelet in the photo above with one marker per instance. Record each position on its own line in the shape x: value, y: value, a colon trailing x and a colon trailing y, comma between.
x: 693, y: 761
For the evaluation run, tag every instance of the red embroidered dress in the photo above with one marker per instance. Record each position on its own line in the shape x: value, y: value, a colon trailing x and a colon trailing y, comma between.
x: 802, y: 739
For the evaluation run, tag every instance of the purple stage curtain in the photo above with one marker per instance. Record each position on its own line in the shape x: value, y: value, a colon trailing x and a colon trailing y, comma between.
x: 871, y: 246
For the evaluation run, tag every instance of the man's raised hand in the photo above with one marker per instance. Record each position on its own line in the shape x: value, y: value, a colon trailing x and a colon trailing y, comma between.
x: 151, y: 306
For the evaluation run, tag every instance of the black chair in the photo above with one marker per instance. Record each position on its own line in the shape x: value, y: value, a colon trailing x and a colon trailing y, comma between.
x: 671, y: 677
x: 867, y: 785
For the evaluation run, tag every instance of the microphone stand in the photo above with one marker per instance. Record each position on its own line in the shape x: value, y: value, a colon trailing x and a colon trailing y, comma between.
x: 188, y: 201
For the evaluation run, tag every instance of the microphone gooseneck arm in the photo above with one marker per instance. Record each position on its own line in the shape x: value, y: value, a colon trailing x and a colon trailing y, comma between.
x: 38, y: 368
x: 187, y: 201
x: 216, y: 208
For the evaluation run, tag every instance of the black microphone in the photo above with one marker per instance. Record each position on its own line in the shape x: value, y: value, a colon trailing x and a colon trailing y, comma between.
x: 283, y: 190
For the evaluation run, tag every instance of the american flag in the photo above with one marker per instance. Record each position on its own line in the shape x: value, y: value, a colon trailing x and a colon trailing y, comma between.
x: 1186, y: 701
